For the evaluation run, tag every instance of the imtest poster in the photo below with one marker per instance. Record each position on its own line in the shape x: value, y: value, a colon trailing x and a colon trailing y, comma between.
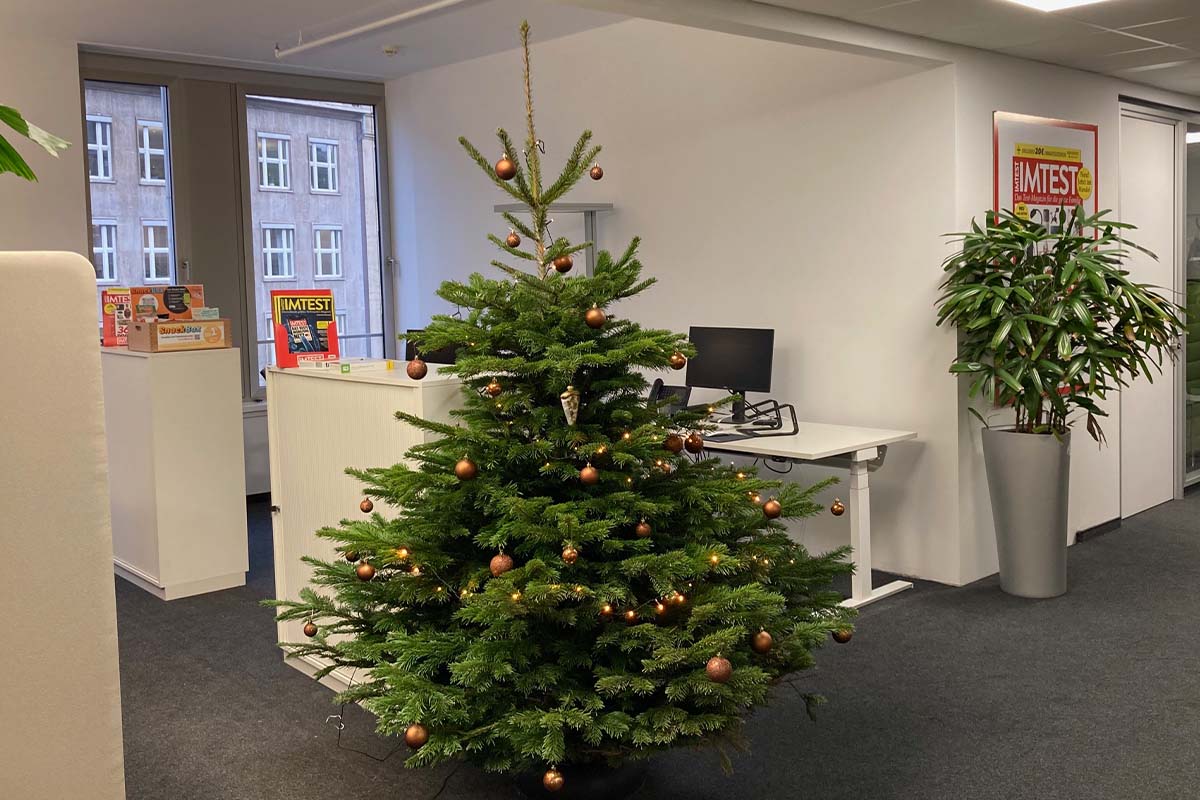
x: 1042, y: 165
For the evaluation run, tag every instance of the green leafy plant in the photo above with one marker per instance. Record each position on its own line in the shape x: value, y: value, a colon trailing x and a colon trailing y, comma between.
x: 1049, y: 320
x: 10, y: 159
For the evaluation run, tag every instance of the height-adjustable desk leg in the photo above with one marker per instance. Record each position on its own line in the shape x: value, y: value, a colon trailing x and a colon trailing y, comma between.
x: 861, y: 590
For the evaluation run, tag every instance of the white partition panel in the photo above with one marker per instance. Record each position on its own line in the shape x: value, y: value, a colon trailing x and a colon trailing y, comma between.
x: 60, y: 695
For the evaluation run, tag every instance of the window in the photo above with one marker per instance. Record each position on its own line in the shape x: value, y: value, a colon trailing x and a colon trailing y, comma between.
x: 327, y: 251
x: 279, y: 246
x: 156, y: 251
x: 99, y: 137
x: 341, y: 322
x: 104, y: 250
x: 152, y: 151
x: 323, y: 165
x: 274, y: 169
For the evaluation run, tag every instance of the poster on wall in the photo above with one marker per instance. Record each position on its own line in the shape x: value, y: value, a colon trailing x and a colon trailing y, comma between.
x: 1042, y: 165
x: 305, y: 326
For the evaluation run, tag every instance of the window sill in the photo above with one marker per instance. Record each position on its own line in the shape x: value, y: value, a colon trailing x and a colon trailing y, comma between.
x: 94, y: 179
x: 327, y: 192
x: 278, y: 278
x: 157, y: 280
x: 106, y: 282
x: 285, y: 189
x: 329, y: 277
x: 148, y: 182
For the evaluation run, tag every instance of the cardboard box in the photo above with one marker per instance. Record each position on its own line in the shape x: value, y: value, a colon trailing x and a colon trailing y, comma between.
x: 166, y: 302
x: 168, y: 336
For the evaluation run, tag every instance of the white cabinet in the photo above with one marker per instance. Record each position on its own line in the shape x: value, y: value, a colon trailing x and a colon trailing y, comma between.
x: 320, y: 422
x: 176, y: 475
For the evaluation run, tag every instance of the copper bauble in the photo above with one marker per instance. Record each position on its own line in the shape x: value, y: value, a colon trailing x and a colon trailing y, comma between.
x: 310, y: 629
x: 553, y: 780
x: 465, y: 469
x: 643, y: 529
x: 513, y: 240
x: 674, y: 442
x: 364, y: 571
x: 366, y: 506
x: 506, y: 170
x: 595, y: 317
x: 570, y: 555
x: 351, y: 555
x: 843, y: 635
x: 589, y: 475
x: 718, y: 669
x: 500, y: 564
x: 694, y: 443
x: 564, y: 263
x: 596, y: 172
x: 416, y: 735
x: 772, y: 509
x: 417, y: 369
x: 677, y: 360
x: 762, y: 642
x: 493, y: 388
x: 837, y: 508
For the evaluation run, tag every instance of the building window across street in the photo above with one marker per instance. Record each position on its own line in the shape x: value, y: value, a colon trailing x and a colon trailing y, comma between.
x: 274, y: 166
x: 152, y: 152
x: 327, y: 251
x: 156, y: 251
x: 99, y: 138
x: 104, y: 249
x: 323, y: 165
x: 279, y: 252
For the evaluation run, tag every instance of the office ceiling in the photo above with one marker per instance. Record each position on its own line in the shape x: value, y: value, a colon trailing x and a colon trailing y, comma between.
x: 245, y: 32
x: 1156, y: 42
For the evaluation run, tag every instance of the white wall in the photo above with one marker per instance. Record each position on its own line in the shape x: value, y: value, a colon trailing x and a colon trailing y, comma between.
x: 775, y: 185
x: 41, y: 80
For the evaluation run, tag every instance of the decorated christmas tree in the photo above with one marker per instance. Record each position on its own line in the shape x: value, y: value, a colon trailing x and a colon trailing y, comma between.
x: 561, y: 577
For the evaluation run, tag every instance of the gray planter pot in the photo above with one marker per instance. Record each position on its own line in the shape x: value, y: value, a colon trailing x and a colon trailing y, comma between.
x: 1029, y: 479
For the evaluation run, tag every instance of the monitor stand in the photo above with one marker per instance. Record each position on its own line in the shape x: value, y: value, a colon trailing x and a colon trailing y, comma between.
x: 764, y: 413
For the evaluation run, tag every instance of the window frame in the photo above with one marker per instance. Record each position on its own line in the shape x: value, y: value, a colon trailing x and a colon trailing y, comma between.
x: 333, y: 166
x: 284, y: 160
x: 102, y: 148
x: 268, y: 251
x: 111, y: 250
x: 151, y: 250
x: 334, y: 251
x: 146, y: 152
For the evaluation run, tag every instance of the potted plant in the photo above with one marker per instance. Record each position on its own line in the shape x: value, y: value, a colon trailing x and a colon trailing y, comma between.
x: 1049, y: 324
x: 10, y: 159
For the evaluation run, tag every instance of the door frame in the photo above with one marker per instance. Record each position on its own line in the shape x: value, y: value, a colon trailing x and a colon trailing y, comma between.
x: 1178, y: 119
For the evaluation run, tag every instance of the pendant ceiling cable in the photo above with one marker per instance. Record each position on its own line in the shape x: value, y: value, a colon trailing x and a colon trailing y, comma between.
x: 370, y: 27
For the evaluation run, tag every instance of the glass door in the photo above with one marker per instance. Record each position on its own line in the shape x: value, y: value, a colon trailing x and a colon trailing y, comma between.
x: 314, y: 203
x: 1191, y: 301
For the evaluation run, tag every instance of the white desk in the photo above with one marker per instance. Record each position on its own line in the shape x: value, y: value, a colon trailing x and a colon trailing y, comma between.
x: 818, y: 442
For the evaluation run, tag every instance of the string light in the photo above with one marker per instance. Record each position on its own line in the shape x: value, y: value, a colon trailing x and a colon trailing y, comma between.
x: 416, y: 571
x: 516, y: 595
x: 606, y: 609
x: 437, y: 589
x: 659, y: 607
x: 402, y: 553
x: 741, y: 476
x: 714, y: 558
x: 629, y: 481
x: 626, y: 435
x: 578, y: 590
x: 679, y: 598
x: 630, y: 615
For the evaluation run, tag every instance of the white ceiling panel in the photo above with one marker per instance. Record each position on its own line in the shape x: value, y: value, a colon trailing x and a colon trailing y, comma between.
x: 1115, y: 37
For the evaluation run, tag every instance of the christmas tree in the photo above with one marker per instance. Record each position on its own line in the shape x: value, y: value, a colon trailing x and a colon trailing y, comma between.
x: 561, y: 577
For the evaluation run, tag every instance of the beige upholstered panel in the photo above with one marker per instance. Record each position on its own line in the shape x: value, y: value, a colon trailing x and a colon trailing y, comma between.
x: 60, y: 694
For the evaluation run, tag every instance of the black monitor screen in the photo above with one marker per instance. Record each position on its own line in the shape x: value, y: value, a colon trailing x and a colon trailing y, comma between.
x: 446, y: 355
x: 731, y: 358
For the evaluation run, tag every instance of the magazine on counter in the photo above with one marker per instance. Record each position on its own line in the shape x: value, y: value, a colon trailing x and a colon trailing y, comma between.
x: 305, y: 326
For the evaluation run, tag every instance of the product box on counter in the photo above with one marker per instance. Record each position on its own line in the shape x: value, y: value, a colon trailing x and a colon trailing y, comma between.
x: 168, y: 336
x: 116, y: 312
x: 166, y: 302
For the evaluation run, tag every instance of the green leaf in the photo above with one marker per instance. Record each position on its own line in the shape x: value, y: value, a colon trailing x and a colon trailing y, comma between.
x: 11, y: 161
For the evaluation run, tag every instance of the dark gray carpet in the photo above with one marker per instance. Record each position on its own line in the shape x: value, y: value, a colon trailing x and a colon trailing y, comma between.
x: 944, y: 693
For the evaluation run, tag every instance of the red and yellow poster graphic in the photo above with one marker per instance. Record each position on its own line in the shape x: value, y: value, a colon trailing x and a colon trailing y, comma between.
x: 1043, y: 166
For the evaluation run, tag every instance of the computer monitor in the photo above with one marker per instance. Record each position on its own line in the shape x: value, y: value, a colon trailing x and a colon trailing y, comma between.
x: 445, y: 355
x: 737, y: 359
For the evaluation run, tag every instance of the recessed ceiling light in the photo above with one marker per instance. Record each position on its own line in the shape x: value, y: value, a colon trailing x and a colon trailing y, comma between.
x: 1054, y: 5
